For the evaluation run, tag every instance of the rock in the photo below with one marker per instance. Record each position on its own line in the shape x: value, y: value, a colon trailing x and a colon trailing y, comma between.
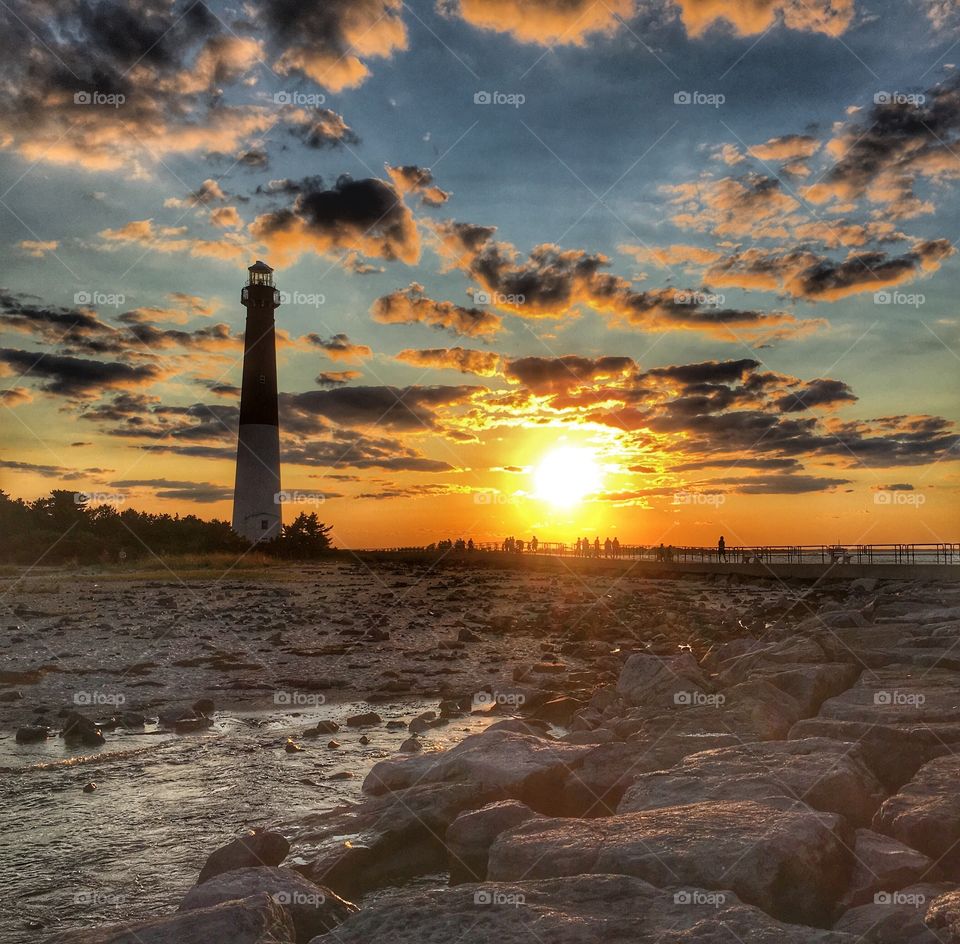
x: 365, y: 719
x: 559, y: 710
x: 809, y: 685
x: 363, y: 740
x: 467, y: 635
x: 89, y: 787
x: 655, y: 681
x: 827, y: 775
x: 596, y: 786
x: 882, y: 864
x: 421, y: 723
x: 895, y: 917
x: 291, y: 747
x: 412, y: 745
x: 204, y: 706
x: 790, y: 861
x: 192, y: 724
x: 333, y: 745
x: 322, y: 727
x: 864, y: 584
x: 32, y: 734
x: 312, y: 908
x: 80, y: 730
x: 943, y: 916
x: 741, y: 655
x: 525, y: 768
x: 255, y: 920
x: 256, y: 847
x: 471, y: 834
x: 384, y: 840
x: 925, y: 814
x: 612, y: 909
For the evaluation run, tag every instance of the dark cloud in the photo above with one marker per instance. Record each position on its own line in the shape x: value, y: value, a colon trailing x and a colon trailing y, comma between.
x: 816, y: 393
x: 465, y: 360
x: 323, y: 128
x: 419, y: 180
x: 340, y: 347
x: 366, y: 216
x: 411, y: 306
x: 555, y: 374
x: 78, y: 377
x: 781, y: 484
x: 202, y: 492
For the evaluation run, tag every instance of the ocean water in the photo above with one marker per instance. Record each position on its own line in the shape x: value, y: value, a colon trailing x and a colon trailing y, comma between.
x: 163, y: 803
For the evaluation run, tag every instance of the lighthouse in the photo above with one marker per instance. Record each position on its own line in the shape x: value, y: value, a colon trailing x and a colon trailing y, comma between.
x: 256, y: 495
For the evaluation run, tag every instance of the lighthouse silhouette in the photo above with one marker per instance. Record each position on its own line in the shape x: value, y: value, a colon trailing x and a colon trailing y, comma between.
x: 257, y: 502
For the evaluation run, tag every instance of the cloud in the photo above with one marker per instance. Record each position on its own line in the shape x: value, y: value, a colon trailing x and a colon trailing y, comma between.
x: 411, y: 306
x: 366, y: 216
x: 816, y: 393
x: 340, y: 347
x: 77, y: 377
x: 337, y: 378
x: 545, y: 22
x: 201, y: 492
x: 330, y: 41
x: 37, y: 248
x: 832, y: 17
x: 227, y: 217
x: 789, y: 147
x: 465, y: 360
x: 781, y: 484
x: 557, y: 374
x: 171, y: 239
x: 411, y: 408
x: 322, y: 128
x: 552, y: 282
x: 909, y: 136
x: 412, y: 179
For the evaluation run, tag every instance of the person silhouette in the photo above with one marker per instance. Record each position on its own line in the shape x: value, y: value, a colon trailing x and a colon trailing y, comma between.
x: 534, y: 544
x: 721, y: 549
x: 596, y: 547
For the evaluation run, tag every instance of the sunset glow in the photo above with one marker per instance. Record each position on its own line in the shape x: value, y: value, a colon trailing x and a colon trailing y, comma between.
x: 565, y: 476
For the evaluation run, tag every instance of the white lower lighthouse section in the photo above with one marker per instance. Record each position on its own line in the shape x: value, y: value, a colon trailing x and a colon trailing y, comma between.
x: 256, y: 498
x: 257, y: 508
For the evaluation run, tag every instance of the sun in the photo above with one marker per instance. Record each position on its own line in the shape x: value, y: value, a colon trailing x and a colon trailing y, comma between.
x: 566, y: 475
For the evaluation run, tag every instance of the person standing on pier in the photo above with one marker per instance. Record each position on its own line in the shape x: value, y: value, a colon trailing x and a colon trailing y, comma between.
x: 721, y: 550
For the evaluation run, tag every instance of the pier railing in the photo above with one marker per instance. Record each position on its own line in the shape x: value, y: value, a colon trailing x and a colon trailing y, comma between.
x: 942, y: 553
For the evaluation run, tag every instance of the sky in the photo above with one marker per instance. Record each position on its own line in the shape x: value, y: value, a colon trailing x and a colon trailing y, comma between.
x: 636, y: 268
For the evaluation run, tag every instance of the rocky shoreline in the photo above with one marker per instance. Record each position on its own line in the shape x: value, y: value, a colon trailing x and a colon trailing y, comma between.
x: 685, y: 761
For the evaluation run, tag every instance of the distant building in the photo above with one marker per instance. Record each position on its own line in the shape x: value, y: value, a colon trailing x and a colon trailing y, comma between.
x: 257, y: 503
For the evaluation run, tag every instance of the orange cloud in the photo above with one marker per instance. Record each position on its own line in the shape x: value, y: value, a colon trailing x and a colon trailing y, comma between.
x: 547, y: 22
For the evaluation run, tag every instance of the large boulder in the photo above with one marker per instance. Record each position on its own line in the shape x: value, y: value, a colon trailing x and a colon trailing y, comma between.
x: 255, y: 920
x: 385, y: 840
x: 925, y: 814
x: 583, y: 909
x: 595, y: 787
x: 810, y: 685
x: 256, y: 847
x: 943, y: 916
x: 312, y: 908
x: 827, y: 775
x: 895, y: 917
x: 790, y: 861
x: 661, y: 681
x: 882, y: 864
x: 521, y: 766
x: 471, y: 834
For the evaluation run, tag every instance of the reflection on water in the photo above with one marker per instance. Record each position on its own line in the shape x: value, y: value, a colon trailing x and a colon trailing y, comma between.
x: 163, y: 803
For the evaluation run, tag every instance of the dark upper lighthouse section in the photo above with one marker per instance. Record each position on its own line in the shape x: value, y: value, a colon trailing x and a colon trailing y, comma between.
x: 257, y: 501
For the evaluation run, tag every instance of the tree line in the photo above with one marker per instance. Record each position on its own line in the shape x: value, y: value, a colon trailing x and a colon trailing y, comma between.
x: 65, y: 527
